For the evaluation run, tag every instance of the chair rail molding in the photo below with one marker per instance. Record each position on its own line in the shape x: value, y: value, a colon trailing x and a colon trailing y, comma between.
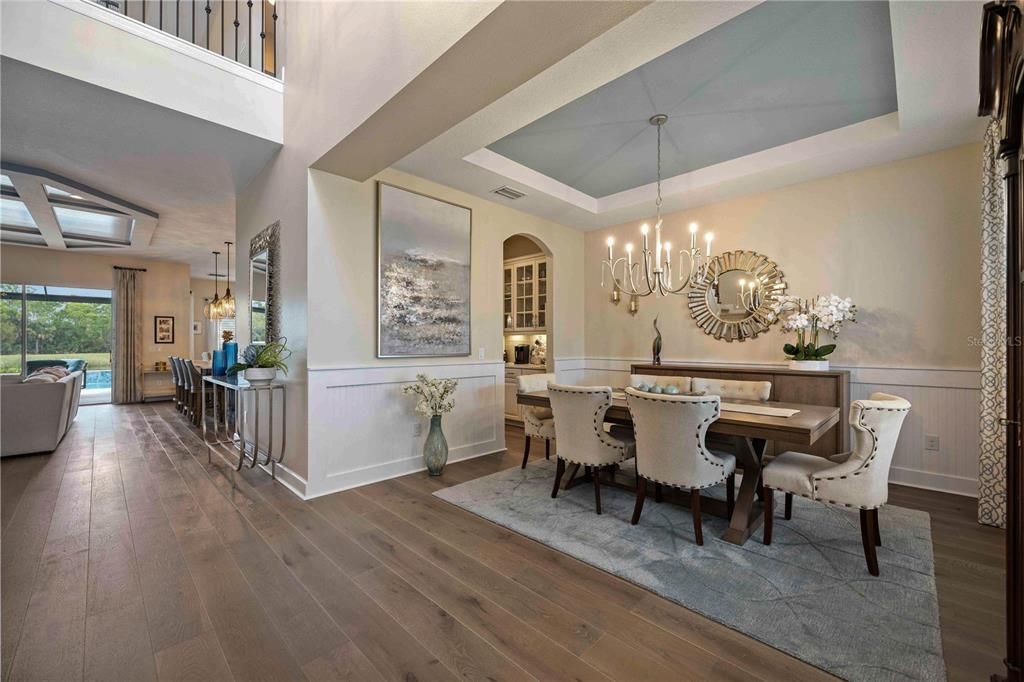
x: 945, y: 404
x: 362, y: 429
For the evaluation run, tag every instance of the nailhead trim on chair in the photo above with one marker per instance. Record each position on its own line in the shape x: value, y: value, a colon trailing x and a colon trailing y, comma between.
x: 701, y: 450
x: 867, y: 464
x: 598, y: 427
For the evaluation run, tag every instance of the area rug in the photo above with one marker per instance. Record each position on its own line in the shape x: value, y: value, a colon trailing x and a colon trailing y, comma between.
x: 808, y: 594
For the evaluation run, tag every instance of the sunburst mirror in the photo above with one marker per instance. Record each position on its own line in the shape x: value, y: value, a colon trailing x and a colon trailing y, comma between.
x: 734, y: 302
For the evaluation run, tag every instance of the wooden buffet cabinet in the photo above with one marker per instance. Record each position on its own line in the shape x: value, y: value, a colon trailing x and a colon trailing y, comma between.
x: 830, y: 388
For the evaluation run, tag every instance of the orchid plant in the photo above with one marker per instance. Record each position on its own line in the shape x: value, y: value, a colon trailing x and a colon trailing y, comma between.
x: 435, y: 395
x: 808, y: 318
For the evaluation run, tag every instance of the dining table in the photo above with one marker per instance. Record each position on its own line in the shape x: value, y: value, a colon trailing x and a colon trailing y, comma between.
x: 750, y: 431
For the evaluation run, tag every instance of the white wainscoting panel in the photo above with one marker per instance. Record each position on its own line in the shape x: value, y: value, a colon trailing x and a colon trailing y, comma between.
x: 945, y: 404
x: 363, y: 429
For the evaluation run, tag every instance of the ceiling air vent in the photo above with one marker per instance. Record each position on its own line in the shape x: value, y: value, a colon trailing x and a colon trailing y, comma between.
x: 509, y: 193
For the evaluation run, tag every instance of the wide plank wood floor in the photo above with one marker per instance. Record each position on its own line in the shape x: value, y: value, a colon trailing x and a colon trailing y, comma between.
x: 126, y: 555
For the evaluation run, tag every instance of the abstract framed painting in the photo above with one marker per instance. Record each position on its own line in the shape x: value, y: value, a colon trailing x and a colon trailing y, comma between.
x: 423, y: 275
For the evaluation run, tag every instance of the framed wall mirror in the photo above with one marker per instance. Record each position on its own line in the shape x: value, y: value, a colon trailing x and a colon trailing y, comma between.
x: 264, y: 264
x: 735, y: 300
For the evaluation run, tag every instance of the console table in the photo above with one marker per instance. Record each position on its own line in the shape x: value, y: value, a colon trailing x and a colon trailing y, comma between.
x: 237, y: 437
x: 830, y: 388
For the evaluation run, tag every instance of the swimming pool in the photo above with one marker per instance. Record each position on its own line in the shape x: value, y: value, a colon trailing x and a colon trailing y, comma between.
x: 98, y: 378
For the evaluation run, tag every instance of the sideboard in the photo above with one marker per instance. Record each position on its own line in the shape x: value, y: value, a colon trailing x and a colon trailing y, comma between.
x: 830, y: 388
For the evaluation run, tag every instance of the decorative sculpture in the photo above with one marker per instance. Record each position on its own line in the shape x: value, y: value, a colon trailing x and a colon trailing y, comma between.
x: 656, y: 346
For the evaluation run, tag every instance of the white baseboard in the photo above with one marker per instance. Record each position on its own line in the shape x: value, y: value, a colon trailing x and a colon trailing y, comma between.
x: 289, y: 479
x: 944, y: 483
x: 378, y: 474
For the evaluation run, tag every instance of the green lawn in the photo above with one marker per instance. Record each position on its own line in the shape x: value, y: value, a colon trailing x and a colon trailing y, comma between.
x: 11, y: 364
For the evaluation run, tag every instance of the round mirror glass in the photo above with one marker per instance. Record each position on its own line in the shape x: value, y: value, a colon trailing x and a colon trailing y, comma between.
x: 734, y: 300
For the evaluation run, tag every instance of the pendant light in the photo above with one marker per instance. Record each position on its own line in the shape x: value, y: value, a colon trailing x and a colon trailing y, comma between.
x: 212, y: 309
x: 227, y: 303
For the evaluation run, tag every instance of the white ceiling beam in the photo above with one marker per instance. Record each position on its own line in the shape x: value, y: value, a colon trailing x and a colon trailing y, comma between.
x: 32, y: 194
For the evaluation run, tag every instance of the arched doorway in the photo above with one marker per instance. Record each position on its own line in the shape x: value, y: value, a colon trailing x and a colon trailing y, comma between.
x: 527, y: 312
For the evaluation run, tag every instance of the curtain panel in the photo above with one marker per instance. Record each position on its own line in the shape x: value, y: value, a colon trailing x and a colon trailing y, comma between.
x: 992, y: 460
x: 127, y: 337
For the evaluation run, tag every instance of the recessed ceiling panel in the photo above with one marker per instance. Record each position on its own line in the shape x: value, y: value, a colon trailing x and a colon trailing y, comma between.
x: 780, y: 72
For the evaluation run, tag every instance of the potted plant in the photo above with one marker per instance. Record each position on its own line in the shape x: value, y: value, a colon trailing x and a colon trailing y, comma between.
x: 435, y: 400
x: 809, y: 318
x: 261, y: 361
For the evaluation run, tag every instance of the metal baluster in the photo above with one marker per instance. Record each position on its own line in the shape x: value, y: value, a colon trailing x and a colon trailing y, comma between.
x: 143, y: 11
x: 126, y: 7
x: 248, y: 34
x: 177, y: 18
x: 222, y: 28
x: 274, y: 17
x: 236, y: 30
x: 193, y: 21
x: 263, y: 36
x: 208, y: 10
x: 161, y: 22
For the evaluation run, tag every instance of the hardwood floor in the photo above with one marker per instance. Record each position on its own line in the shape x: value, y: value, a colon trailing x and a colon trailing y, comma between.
x: 126, y: 556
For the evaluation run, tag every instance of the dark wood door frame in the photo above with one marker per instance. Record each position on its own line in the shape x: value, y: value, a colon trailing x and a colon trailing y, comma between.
x: 1002, y: 96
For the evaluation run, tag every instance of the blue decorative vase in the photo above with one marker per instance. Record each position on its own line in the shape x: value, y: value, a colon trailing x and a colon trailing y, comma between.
x: 435, y: 449
x: 220, y: 363
x: 231, y: 350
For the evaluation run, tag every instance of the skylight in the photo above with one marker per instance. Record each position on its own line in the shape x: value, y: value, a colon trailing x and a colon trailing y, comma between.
x: 13, y: 213
x: 82, y: 223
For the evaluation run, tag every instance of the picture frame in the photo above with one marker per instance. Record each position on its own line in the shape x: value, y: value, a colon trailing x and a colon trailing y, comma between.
x: 163, y: 329
x: 424, y: 274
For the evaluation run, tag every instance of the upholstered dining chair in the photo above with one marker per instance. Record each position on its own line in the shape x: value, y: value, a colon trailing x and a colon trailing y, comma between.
x: 182, y: 386
x: 538, y: 422
x: 731, y: 389
x: 193, y: 377
x: 671, y: 449
x: 582, y: 440
x: 858, y: 479
x: 174, y: 379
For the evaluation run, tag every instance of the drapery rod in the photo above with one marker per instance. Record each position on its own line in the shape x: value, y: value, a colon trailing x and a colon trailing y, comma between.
x: 120, y: 267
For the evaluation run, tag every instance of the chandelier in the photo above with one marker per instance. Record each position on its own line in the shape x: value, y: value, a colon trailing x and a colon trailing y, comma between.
x: 652, y: 271
x: 212, y: 310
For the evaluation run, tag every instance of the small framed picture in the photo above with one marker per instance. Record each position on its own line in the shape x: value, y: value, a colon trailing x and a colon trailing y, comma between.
x: 163, y: 329
x: 197, y: 328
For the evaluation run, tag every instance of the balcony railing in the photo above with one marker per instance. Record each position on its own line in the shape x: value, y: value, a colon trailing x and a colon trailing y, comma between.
x: 242, y: 30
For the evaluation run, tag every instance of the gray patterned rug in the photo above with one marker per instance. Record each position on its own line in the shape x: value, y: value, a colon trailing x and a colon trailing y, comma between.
x: 808, y: 594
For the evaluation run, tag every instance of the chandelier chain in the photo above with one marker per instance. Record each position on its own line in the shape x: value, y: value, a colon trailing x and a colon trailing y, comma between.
x: 658, y: 202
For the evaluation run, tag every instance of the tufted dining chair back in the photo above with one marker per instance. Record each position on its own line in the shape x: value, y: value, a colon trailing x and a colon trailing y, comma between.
x: 682, y: 383
x: 536, y: 420
x: 670, y: 435
x: 579, y: 422
x: 861, y: 479
x: 730, y: 389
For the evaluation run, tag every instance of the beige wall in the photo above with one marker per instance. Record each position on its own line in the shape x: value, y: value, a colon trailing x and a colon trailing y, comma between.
x: 165, y: 286
x: 901, y: 239
x: 343, y: 271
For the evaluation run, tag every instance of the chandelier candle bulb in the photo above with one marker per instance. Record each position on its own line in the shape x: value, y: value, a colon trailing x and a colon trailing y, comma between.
x: 611, y: 243
x: 708, y: 238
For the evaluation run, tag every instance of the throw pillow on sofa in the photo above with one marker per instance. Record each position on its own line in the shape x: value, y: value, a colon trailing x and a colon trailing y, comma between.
x: 40, y: 378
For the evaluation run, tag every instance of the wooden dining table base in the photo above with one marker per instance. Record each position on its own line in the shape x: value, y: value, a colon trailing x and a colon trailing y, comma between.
x: 747, y: 516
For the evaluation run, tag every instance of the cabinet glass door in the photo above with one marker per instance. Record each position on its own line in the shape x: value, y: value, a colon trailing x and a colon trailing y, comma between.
x: 507, y: 300
x: 542, y: 293
x: 524, y: 296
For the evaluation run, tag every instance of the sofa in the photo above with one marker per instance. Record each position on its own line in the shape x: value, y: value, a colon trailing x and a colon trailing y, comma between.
x: 35, y: 416
x: 70, y: 364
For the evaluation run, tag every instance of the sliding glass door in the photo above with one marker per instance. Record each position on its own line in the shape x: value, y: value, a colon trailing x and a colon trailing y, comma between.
x: 44, y: 325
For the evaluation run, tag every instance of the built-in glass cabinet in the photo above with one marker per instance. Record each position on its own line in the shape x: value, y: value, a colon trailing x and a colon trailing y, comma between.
x: 525, y: 303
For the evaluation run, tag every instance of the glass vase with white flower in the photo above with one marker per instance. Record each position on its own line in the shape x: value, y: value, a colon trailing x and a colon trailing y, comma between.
x: 809, y: 318
x: 435, y: 400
